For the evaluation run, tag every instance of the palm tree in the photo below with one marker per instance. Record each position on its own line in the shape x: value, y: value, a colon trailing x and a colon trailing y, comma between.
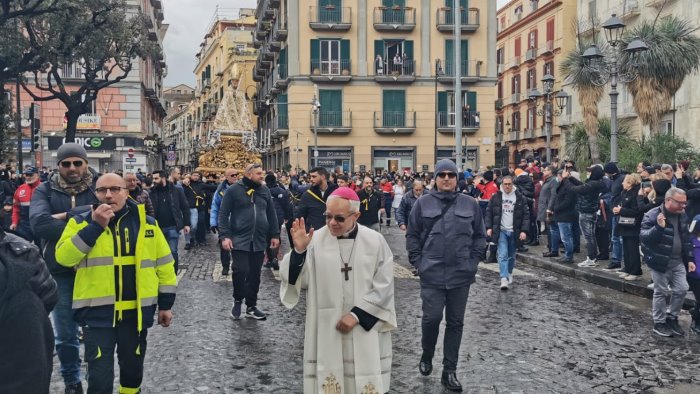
x: 582, y: 80
x: 673, y: 54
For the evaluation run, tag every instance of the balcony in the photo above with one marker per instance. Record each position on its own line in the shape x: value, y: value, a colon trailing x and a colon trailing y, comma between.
x: 471, y: 122
x: 531, y: 54
x: 394, y: 18
x: 279, y: 30
x: 266, y: 53
x: 469, y: 20
x: 280, y: 125
x: 281, y: 79
x: 529, y: 134
x: 501, y: 68
x: 564, y: 120
x: 513, y: 62
x: 330, y: 70
x: 274, y: 3
x: 514, y: 135
x: 330, y: 18
x: 395, y: 122
x: 498, y: 104
x: 268, y: 12
x: 515, y: 98
x: 471, y: 71
x: 398, y: 72
x: 548, y: 48
x: 333, y: 122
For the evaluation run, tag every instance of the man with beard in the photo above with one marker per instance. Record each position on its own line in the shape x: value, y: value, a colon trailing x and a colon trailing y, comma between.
x: 20, y: 209
x: 137, y: 194
x: 171, y: 211
x: 71, y: 189
x: 312, y: 204
x: 371, y: 205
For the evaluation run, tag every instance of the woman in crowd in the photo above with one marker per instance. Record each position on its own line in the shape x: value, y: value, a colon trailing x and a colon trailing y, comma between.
x: 629, y: 226
x: 399, y: 191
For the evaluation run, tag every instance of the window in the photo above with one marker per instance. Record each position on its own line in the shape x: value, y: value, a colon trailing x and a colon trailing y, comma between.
x: 667, y: 127
x: 92, y: 110
x: 394, y: 108
x: 519, y: 9
x: 517, y: 47
x: 531, y: 79
x: 550, y: 30
x: 499, y: 124
x: 393, y: 57
x: 531, y: 118
x: 330, y: 57
x: 591, y: 8
x: 515, y: 84
x: 533, y: 5
x: 500, y: 56
x: 532, y: 39
x: 515, y: 121
x: 331, y: 114
x: 548, y: 68
x: 500, y: 89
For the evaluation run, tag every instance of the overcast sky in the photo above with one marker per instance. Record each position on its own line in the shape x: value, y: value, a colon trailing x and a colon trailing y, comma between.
x: 188, y: 19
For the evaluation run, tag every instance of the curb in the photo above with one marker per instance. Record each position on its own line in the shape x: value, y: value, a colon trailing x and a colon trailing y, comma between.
x: 608, y: 280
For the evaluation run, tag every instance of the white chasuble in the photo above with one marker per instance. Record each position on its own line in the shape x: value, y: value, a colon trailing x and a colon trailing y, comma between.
x: 359, y: 361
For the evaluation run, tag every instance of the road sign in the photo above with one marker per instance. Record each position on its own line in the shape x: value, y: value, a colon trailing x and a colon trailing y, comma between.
x: 130, y: 152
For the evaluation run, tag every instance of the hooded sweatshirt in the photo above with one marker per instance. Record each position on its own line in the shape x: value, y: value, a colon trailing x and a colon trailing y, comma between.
x: 507, y: 209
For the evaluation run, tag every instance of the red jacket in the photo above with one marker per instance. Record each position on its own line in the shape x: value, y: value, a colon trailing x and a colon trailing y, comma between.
x: 387, y: 188
x: 20, y: 208
x: 487, y: 190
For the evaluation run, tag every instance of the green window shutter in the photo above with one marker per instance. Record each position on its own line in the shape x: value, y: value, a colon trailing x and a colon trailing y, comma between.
x: 331, y: 107
x: 408, y: 49
x: 282, y: 60
x: 315, y: 55
x: 282, y: 111
x: 345, y: 55
x: 449, y: 57
x: 464, y: 53
x: 442, y: 101
x: 394, y: 108
x: 379, y: 48
x: 471, y: 100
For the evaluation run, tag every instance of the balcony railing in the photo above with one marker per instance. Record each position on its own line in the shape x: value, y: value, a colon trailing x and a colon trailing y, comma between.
x: 330, y: 18
x: 392, y: 122
x: 400, y: 70
x: 529, y: 133
x: 331, y: 70
x: 515, y: 98
x: 279, y: 30
x: 469, y: 19
x: 471, y: 71
x: 281, y: 122
x: 470, y: 120
x: 498, y: 104
x: 514, y: 62
x: 548, y: 47
x: 394, y: 18
x: 337, y: 122
x: 531, y: 54
x: 514, y: 135
x: 280, y: 76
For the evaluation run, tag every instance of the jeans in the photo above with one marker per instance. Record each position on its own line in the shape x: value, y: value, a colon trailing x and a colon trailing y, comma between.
x: 565, y: 230
x: 246, y: 276
x: 587, y: 221
x: 554, y: 237
x: 194, y: 218
x: 453, y: 302
x: 633, y: 261
x: 66, y: 330
x: 675, y: 277
x: 100, y: 344
x: 172, y: 236
x: 506, y: 253
x: 616, y: 243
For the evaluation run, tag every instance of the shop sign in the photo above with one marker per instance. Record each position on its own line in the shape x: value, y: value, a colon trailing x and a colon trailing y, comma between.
x: 342, y: 153
x: 86, y: 122
x: 89, y: 143
x: 406, y: 154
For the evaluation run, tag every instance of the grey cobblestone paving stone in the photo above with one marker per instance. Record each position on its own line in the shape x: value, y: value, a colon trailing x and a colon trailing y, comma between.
x: 546, y: 335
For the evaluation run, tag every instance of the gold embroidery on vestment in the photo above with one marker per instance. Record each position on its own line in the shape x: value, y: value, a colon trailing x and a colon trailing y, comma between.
x: 331, y: 386
x: 369, y: 389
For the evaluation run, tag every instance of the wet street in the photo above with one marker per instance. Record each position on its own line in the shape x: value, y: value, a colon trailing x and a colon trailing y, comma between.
x: 547, y: 334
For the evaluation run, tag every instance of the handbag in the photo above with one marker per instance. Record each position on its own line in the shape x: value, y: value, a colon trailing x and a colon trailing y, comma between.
x: 626, y: 221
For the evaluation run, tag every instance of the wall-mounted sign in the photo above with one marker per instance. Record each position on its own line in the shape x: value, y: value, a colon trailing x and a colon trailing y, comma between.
x: 89, y: 143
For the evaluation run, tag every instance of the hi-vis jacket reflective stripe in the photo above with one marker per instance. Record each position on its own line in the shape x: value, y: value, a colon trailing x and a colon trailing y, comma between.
x: 95, y: 277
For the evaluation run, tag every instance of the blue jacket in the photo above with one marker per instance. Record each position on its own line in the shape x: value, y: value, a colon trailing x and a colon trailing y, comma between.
x: 657, y: 242
x: 404, y: 211
x: 216, y: 203
x: 445, y: 249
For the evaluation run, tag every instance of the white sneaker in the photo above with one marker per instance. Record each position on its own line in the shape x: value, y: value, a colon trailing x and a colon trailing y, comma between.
x: 622, y: 274
x: 504, y: 283
x: 510, y: 279
x: 632, y: 277
x: 650, y: 286
x: 587, y: 263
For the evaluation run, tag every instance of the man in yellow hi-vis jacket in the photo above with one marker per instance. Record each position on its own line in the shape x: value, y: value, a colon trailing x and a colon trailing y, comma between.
x: 124, y: 270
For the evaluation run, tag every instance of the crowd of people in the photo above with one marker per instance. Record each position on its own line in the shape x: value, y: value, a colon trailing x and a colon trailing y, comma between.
x: 110, y: 246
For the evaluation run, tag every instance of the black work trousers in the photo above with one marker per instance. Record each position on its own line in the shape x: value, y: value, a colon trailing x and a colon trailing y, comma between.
x: 246, y: 276
x: 99, y: 354
x: 200, y: 234
x: 453, y: 302
x: 630, y: 253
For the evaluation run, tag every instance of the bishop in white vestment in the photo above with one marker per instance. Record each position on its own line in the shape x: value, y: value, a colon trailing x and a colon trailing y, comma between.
x: 347, y: 270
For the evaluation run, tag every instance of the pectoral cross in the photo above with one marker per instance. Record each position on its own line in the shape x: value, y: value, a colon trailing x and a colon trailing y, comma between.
x: 346, y: 270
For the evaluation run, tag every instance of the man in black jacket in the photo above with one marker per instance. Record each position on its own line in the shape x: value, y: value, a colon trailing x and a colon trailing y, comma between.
x: 312, y: 205
x: 668, y: 251
x: 372, y: 203
x: 507, y: 217
x: 27, y: 296
x: 171, y: 211
x: 198, y: 196
x: 407, y: 202
x: 524, y: 184
x: 247, y: 224
x: 285, y: 215
x: 564, y: 209
x: 615, y: 190
x: 588, y: 204
x: 68, y: 191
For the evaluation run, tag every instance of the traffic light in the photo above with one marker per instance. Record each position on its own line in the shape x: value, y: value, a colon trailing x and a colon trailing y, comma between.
x: 36, y: 140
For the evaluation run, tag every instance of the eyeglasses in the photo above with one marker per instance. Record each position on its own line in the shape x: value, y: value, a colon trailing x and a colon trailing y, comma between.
x: 683, y: 203
x: 337, y: 218
x: 112, y: 189
x: 450, y: 175
x: 507, y: 184
x: 76, y: 164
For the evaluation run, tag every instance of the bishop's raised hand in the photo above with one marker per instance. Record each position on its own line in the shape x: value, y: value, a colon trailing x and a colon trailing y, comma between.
x: 300, y: 236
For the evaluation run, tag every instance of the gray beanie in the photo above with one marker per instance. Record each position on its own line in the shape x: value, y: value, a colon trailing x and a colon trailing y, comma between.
x: 445, y: 165
x: 70, y: 149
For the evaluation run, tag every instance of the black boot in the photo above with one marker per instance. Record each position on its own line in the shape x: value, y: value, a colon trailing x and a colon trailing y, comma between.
x: 695, y: 325
x: 449, y: 380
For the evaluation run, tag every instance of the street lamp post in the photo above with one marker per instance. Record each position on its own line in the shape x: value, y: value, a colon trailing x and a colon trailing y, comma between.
x: 315, y: 109
x: 548, y: 111
x: 604, y: 72
x: 438, y: 73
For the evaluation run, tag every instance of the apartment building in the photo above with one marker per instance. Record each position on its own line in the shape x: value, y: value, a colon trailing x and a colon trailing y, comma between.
x: 121, y: 118
x: 225, y: 60
x: 685, y: 111
x: 383, y: 72
x: 533, y: 38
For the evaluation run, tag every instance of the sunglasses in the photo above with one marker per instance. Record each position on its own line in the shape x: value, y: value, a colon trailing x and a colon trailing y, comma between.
x: 233, y: 175
x: 450, y: 175
x: 76, y: 164
x: 337, y: 218
x: 112, y: 189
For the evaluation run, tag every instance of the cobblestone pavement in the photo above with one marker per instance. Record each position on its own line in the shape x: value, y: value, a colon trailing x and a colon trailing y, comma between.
x: 548, y: 334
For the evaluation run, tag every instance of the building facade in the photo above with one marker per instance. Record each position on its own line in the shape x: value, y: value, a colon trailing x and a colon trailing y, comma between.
x: 383, y: 72
x: 533, y: 38
x: 122, y: 117
x: 685, y: 112
x: 225, y: 61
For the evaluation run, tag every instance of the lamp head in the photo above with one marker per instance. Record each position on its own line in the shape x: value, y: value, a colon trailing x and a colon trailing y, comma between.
x: 548, y: 82
x: 614, y: 29
x: 562, y: 99
x: 533, y: 95
x: 592, y: 56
